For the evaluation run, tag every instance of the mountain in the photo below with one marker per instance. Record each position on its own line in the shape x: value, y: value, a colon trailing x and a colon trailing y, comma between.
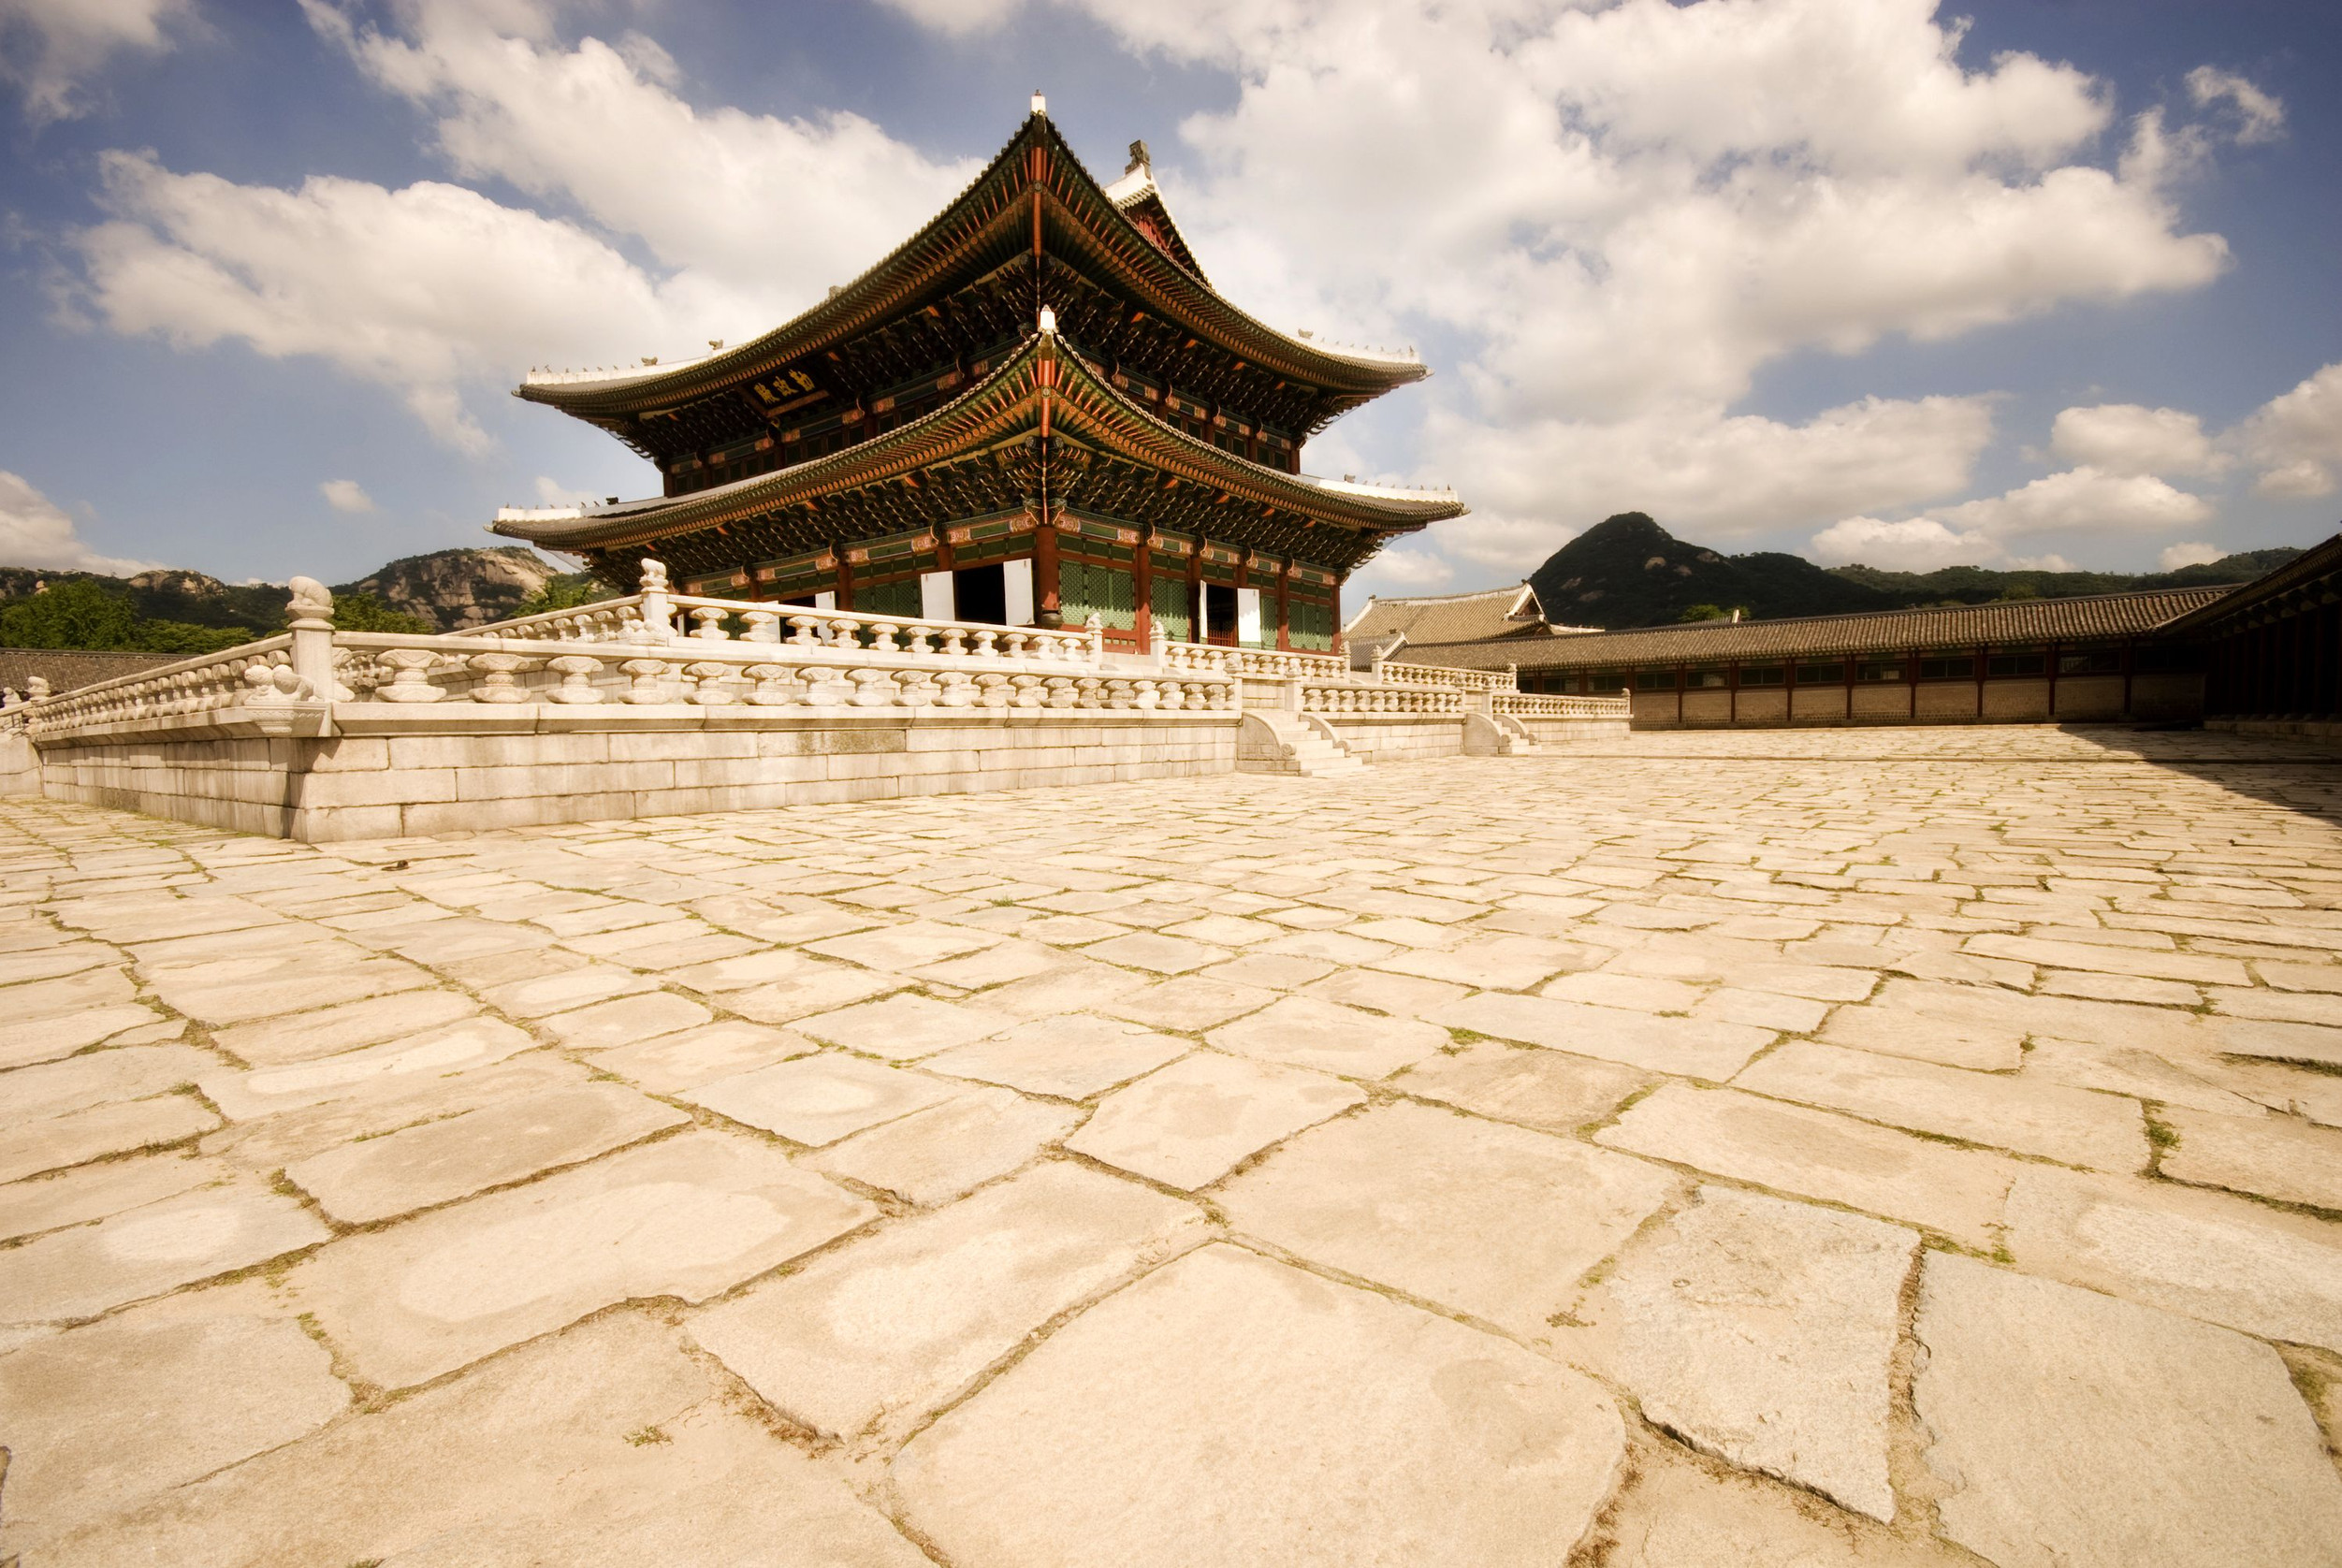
x: 458, y: 589
x: 1627, y: 571
x: 181, y: 612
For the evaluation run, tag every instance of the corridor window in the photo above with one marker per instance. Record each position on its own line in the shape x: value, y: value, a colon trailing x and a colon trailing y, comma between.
x: 1878, y: 672
x: 1763, y: 674
x: 1947, y: 669
x: 1656, y: 680
x: 2017, y: 664
x: 2098, y: 661
x: 1821, y: 675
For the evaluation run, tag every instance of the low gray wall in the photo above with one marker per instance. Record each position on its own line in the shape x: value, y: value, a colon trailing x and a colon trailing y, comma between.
x: 1394, y: 738
x: 389, y: 771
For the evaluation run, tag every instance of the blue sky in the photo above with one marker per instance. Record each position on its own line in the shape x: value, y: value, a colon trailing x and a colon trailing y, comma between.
x: 2039, y: 281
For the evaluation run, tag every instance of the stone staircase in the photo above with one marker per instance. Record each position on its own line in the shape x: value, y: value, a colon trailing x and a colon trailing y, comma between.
x: 1272, y: 741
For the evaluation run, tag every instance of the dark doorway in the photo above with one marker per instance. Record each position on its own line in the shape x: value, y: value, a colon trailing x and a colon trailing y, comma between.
x: 1220, y: 614
x: 981, y: 593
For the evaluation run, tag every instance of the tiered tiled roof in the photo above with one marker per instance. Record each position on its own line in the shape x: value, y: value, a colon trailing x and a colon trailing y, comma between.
x: 936, y: 295
x: 2309, y: 575
x: 2003, y: 622
x: 977, y: 455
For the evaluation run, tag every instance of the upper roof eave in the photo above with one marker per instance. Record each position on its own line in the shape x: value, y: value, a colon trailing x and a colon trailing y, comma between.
x: 861, y: 304
x: 933, y: 438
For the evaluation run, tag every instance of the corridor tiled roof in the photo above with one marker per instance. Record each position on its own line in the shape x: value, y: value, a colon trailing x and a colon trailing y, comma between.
x: 1452, y: 617
x: 2005, y: 621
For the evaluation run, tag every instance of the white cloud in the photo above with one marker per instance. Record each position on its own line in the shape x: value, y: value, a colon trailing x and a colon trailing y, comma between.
x: 2297, y: 438
x: 2193, y: 553
x: 2081, y: 499
x: 346, y: 494
x: 552, y: 492
x: 1915, y: 545
x: 2130, y: 439
x: 2259, y: 116
x: 435, y: 291
x: 1694, y: 467
x: 36, y: 531
x: 51, y: 48
x: 1399, y: 571
x: 771, y: 210
x: 426, y: 289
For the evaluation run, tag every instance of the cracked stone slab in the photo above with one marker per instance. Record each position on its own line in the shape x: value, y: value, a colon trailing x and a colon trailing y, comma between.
x: 2276, y: 1157
x: 98, y: 1418
x: 1815, y: 1153
x: 1189, y: 1002
x: 905, y: 1027
x: 2224, y: 1259
x: 93, y: 1192
x: 238, y: 990
x: 625, y: 1021
x: 441, y: 1160
x: 1762, y: 1331
x: 673, y: 1063
x: 300, y: 1037
x: 2105, y: 1132
x: 897, y: 948
x: 934, y: 1155
x: 1677, y: 1510
x: 1306, y: 1032
x: 688, y: 1217
x: 1692, y: 1047
x: 1075, y: 1057
x: 273, y: 1143
x: 1190, y: 1124
x: 146, y: 1251
x: 474, y: 1042
x: 1549, y: 1090
x: 820, y: 1098
x: 1491, y: 1220
x: 77, y: 1136
x: 26, y: 1040
x: 1231, y: 1410
x: 2075, y: 1431
x: 606, y: 1444
x: 823, y: 990
x: 869, y: 1339
x: 98, y: 1077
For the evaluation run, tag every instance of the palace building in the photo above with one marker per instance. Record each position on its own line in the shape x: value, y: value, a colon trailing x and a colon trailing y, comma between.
x: 1035, y: 411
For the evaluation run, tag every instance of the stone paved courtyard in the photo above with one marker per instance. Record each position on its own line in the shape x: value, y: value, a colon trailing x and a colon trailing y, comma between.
x: 1853, y: 1148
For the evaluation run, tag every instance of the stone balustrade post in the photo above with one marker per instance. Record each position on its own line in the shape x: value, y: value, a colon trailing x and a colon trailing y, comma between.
x: 658, y: 603
x: 576, y: 672
x: 650, y: 682
x: 310, y: 611
x: 499, y: 681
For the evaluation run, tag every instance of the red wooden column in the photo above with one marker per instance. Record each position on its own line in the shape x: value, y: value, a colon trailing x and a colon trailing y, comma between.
x: 1334, y: 599
x: 1197, y: 630
x: 1048, y: 609
x: 845, y: 580
x: 1142, y: 587
x: 1285, y: 607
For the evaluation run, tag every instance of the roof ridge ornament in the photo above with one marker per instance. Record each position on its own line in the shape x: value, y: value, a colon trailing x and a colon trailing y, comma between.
x: 1041, y: 103
x: 1139, y: 159
x: 1048, y: 322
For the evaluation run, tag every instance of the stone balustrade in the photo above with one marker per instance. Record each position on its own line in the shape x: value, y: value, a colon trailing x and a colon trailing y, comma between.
x: 824, y: 663
x: 656, y: 616
x: 1257, y: 663
x: 1436, y: 675
x: 255, y: 677
x: 1340, y: 698
x: 1520, y: 705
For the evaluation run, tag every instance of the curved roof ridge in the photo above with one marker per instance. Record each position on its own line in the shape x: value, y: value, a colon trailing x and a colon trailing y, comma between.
x: 836, y: 316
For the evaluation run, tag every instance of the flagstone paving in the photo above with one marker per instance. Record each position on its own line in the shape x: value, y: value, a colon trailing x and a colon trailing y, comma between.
x: 1863, y: 1149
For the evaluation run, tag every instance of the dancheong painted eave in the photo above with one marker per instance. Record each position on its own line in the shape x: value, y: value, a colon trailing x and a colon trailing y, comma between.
x: 1076, y: 210
x: 1087, y: 412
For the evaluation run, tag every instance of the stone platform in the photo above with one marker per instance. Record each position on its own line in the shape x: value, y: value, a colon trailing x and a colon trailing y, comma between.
x: 1879, y: 1148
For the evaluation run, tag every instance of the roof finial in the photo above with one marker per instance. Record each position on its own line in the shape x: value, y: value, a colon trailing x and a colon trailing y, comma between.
x: 1139, y: 159
x: 1040, y: 103
x: 1048, y: 322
